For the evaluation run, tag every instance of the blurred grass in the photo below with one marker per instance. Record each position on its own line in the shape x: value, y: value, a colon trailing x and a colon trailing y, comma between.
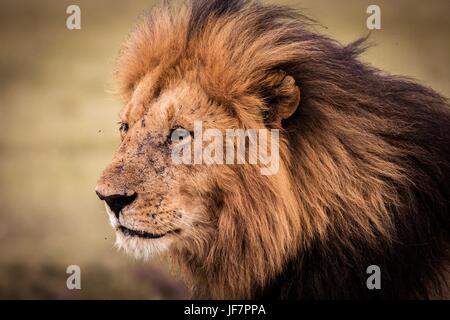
x: 59, y: 130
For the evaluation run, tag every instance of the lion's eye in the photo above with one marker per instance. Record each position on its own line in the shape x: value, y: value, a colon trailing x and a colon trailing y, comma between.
x: 123, y: 127
x: 179, y: 134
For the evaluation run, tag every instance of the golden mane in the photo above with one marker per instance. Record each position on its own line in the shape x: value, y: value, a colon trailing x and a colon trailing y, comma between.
x: 365, y: 169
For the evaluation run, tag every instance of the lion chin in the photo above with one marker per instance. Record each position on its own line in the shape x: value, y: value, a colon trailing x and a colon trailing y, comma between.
x: 141, y: 248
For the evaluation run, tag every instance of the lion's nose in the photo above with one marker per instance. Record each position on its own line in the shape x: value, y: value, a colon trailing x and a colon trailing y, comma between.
x: 117, y: 202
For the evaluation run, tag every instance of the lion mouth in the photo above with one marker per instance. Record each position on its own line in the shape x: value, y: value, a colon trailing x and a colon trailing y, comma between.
x: 143, y: 234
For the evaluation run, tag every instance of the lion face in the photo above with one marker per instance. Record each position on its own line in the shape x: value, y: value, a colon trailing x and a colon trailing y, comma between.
x: 151, y: 201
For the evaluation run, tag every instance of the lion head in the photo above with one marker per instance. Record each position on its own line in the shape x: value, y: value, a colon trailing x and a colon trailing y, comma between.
x: 340, y: 184
x: 200, y: 212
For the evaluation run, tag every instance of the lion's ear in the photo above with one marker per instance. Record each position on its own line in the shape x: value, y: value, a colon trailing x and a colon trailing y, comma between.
x: 285, y: 98
x: 289, y: 98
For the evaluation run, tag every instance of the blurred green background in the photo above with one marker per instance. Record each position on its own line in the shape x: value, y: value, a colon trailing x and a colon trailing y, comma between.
x: 58, y: 131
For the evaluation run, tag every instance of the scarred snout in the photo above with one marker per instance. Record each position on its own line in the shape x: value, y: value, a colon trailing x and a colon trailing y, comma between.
x: 137, y: 188
x: 113, y: 188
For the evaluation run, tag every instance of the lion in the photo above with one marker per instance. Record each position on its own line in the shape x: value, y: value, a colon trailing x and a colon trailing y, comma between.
x: 364, y: 171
